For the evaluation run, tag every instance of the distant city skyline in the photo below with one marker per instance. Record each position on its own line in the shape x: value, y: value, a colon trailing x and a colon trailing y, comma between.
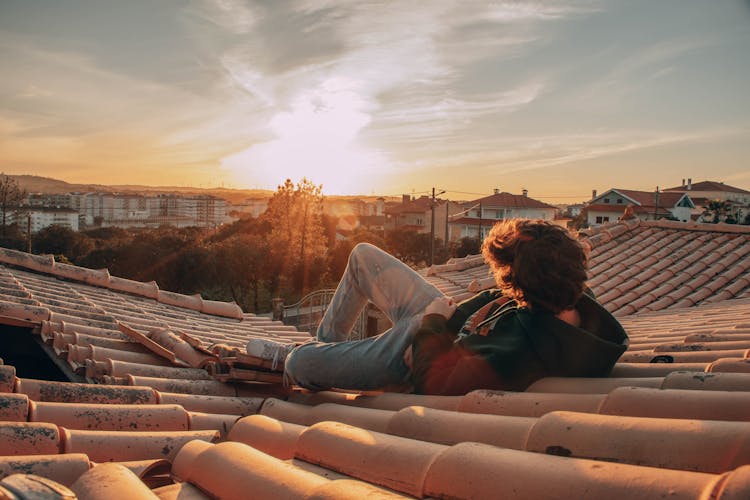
x: 559, y: 98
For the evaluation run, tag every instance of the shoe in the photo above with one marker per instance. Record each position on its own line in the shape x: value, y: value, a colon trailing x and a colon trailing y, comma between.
x: 269, y: 350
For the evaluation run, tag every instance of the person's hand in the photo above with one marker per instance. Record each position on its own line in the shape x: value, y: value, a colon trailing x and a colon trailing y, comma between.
x: 443, y: 306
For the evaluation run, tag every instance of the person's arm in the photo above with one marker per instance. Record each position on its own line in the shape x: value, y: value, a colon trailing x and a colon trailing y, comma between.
x: 433, y: 350
x: 435, y: 319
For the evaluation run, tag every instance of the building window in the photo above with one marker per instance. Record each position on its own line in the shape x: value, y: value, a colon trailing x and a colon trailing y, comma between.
x: 606, y: 200
x: 619, y: 201
x: 602, y: 219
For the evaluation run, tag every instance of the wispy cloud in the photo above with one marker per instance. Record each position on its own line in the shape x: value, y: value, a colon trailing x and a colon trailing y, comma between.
x: 434, y: 118
x: 235, y: 16
x: 393, y: 87
x: 526, y: 153
x: 508, y: 11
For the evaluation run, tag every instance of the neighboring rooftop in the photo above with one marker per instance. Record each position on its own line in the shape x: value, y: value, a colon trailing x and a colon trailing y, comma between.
x: 638, y: 265
x: 708, y: 186
x: 170, y: 402
x: 509, y: 200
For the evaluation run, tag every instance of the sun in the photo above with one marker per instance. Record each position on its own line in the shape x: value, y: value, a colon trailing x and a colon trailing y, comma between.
x: 317, y: 138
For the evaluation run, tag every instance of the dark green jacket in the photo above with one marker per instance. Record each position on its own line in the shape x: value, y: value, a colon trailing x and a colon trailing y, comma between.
x: 522, y: 346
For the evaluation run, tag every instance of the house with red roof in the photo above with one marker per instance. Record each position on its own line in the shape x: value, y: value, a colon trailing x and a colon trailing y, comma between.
x: 478, y: 216
x: 645, y: 205
x: 416, y: 214
x: 702, y: 193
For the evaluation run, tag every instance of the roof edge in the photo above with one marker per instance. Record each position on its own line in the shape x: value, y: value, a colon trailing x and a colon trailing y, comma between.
x: 46, y: 264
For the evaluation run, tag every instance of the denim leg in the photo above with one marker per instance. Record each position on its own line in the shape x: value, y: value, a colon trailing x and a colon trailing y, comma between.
x: 375, y: 362
x: 374, y: 275
x: 367, y: 364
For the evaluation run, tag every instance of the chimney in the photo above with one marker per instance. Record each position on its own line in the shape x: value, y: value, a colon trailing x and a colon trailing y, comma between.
x: 405, y: 198
x: 690, y: 184
x: 497, y: 190
x: 525, y: 192
x: 593, y: 194
x: 683, y: 182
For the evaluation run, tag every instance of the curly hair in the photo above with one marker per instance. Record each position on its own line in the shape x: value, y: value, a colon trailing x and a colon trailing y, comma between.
x: 539, y: 264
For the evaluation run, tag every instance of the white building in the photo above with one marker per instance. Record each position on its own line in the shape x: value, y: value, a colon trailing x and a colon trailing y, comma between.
x: 37, y: 218
x: 703, y: 193
x: 478, y: 216
x: 645, y: 205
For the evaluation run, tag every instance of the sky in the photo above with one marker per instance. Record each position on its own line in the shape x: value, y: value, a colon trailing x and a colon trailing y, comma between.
x: 383, y: 98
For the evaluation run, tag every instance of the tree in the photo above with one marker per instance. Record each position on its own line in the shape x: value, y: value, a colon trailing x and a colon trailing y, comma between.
x: 11, y: 196
x: 241, y: 267
x: 408, y: 246
x: 580, y: 221
x: 717, y: 210
x: 61, y: 240
x: 467, y: 245
x: 12, y: 237
x: 296, y: 237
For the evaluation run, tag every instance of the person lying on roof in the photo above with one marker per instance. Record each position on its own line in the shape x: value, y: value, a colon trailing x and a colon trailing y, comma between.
x: 540, y: 321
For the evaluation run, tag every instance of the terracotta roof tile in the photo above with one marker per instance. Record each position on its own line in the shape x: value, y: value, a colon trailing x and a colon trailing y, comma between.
x: 274, y: 437
x: 641, y: 441
x: 229, y: 469
x: 32, y: 486
x: 730, y: 365
x: 64, y: 469
x: 64, y: 392
x: 673, y: 403
x: 29, y: 438
x: 103, y: 446
x: 696, y: 401
x: 450, y: 427
x: 104, y: 479
x: 332, y: 444
x: 523, y: 404
x: 470, y: 470
x: 110, y: 417
x: 199, y: 421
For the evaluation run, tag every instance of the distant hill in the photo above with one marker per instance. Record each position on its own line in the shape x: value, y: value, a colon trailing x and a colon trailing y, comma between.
x: 37, y: 184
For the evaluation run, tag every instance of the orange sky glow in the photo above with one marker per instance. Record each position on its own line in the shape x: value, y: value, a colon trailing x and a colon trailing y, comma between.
x: 557, y: 97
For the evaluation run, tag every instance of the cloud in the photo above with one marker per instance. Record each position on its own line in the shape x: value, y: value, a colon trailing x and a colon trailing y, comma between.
x: 31, y: 91
x: 235, y: 16
x: 524, y: 153
x: 509, y: 11
x: 435, y: 118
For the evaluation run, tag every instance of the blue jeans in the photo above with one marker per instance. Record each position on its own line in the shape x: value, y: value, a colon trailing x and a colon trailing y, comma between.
x: 375, y: 362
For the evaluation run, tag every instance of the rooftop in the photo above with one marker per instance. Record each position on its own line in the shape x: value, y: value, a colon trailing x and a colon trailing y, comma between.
x: 504, y: 199
x: 164, y: 406
x: 708, y: 186
x: 645, y: 199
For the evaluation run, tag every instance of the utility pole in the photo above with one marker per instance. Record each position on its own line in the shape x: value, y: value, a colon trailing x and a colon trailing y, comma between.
x: 447, y: 213
x: 480, y: 222
x: 432, y: 225
x: 656, y: 208
x: 28, y: 233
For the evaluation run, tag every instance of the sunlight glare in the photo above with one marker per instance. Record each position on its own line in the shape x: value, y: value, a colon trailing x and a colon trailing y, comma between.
x: 316, y: 138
